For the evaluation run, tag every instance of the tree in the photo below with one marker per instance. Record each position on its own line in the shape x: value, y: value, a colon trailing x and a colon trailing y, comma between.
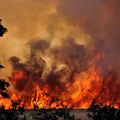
x: 3, y: 30
x: 3, y: 84
x: 103, y: 112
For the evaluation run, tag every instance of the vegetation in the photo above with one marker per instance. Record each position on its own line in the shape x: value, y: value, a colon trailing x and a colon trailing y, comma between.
x: 103, y: 112
x: 16, y: 111
x: 3, y: 30
x: 3, y: 84
x: 95, y: 112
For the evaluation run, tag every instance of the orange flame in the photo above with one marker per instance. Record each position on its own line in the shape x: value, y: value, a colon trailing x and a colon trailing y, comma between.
x: 79, y: 93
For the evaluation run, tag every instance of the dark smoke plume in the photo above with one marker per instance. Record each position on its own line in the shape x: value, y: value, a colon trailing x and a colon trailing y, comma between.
x: 69, y: 53
x: 100, y: 19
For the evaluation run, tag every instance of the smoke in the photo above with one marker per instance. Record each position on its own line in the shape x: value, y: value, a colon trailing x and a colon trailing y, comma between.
x: 69, y: 53
x: 68, y: 31
x: 67, y: 60
x: 99, y: 19
x: 47, y: 20
x: 72, y: 54
x: 24, y: 17
x: 28, y: 20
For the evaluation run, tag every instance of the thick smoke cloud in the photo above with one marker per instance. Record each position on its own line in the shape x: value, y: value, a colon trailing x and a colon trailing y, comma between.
x: 39, y: 46
x: 60, y: 25
x: 100, y: 19
x: 16, y: 63
x: 27, y: 20
x: 83, y: 13
x: 70, y: 54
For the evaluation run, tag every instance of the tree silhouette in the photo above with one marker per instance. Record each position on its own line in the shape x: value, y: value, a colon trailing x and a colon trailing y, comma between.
x: 3, y: 84
x: 3, y: 30
x: 3, y: 88
x: 103, y: 112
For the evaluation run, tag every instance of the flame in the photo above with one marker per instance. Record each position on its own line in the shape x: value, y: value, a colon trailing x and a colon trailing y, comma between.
x: 79, y: 93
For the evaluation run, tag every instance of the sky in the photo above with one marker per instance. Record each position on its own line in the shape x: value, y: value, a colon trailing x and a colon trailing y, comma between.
x: 27, y: 20
x: 88, y: 22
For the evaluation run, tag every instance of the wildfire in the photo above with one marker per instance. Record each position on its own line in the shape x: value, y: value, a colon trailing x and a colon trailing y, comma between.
x: 59, y: 69
x: 78, y: 93
x: 34, y: 91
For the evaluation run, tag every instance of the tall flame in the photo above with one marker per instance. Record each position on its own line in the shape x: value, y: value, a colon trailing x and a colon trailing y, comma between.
x: 78, y: 93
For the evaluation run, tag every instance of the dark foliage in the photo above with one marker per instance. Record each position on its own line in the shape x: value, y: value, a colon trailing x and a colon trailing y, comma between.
x: 3, y: 88
x: 3, y: 30
x: 5, y: 94
x: 54, y: 114
x: 15, y: 104
x: 1, y: 66
x: 3, y: 84
x: 42, y: 114
x: 103, y: 112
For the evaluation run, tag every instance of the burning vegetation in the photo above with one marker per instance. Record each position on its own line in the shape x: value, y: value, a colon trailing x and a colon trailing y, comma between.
x: 70, y: 74
x: 66, y: 86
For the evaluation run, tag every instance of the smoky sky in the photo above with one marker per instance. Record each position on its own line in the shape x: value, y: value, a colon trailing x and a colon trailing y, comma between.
x: 100, y: 19
x: 50, y: 32
x: 55, y: 24
x: 39, y: 45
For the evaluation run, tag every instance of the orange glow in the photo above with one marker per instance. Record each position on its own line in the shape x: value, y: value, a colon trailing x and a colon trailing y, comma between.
x: 78, y: 93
